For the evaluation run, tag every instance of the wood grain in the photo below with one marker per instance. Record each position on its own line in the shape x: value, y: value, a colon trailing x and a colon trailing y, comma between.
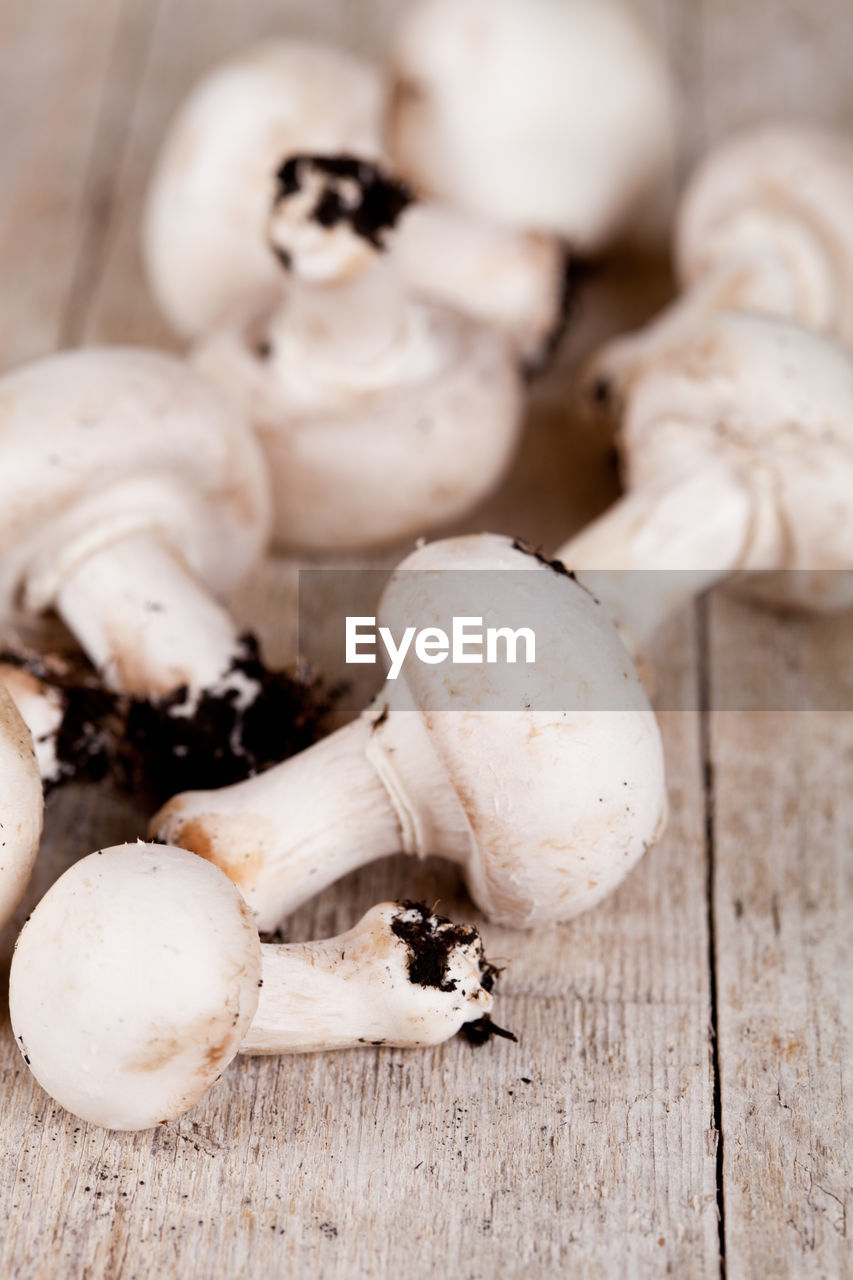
x: 590, y: 1148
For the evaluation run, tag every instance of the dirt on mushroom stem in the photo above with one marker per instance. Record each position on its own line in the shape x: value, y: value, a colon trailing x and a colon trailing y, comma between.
x: 431, y: 940
x: 153, y: 748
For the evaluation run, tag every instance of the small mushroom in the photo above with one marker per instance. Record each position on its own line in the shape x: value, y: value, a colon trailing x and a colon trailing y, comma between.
x: 204, y: 230
x: 134, y: 498
x: 544, y: 115
x: 737, y: 448
x: 140, y: 976
x: 379, y: 416
x: 21, y: 806
x: 546, y: 804
x: 766, y: 225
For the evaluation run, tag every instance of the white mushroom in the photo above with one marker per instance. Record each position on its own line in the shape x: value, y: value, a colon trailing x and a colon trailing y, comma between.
x: 21, y: 806
x: 134, y: 498
x: 738, y: 455
x: 765, y: 224
x: 543, y: 115
x: 546, y: 796
x: 379, y: 416
x: 140, y: 976
x: 204, y: 230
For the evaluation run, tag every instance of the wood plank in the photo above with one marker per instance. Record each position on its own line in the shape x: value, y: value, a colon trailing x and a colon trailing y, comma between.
x: 783, y: 903
x: 54, y: 60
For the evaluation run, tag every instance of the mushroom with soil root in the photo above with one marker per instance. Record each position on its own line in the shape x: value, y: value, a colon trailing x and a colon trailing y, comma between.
x: 380, y: 416
x: 204, y: 229
x: 135, y: 497
x: 21, y: 806
x: 737, y: 448
x: 545, y: 793
x: 129, y: 1054
x: 553, y: 116
x: 766, y: 225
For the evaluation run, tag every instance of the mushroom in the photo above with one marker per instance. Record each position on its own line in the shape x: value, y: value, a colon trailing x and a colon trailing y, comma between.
x: 134, y: 498
x: 21, y: 806
x: 379, y: 416
x: 737, y: 448
x: 546, y: 790
x: 204, y: 240
x: 140, y: 975
x: 766, y: 224
x: 543, y: 115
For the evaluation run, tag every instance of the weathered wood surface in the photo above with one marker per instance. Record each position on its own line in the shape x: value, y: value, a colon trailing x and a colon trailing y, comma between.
x: 591, y: 1148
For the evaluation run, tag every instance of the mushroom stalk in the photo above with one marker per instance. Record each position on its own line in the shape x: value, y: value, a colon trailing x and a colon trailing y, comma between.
x: 345, y: 325
x: 145, y: 620
x: 350, y: 990
x: 273, y: 835
x: 662, y: 545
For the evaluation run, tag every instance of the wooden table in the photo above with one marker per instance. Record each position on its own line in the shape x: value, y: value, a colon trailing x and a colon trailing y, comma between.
x: 679, y: 1098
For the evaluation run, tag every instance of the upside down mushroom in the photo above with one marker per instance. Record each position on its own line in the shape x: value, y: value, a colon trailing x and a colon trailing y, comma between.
x: 379, y: 416
x: 214, y: 182
x: 737, y: 448
x: 21, y: 806
x: 546, y: 803
x: 766, y: 225
x: 135, y: 498
x: 129, y: 1054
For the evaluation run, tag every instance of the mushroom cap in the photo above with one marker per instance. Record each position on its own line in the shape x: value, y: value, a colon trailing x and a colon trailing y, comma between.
x: 100, y: 443
x: 784, y: 189
x: 563, y: 798
x: 21, y: 806
x: 550, y: 115
x: 381, y: 463
x: 776, y: 401
x: 204, y: 230
x: 133, y: 984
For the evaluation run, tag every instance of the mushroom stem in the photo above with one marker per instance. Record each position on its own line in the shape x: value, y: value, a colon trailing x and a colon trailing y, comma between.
x: 344, y: 325
x: 353, y: 989
x: 661, y: 545
x: 145, y: 620
x: 279, y: 861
